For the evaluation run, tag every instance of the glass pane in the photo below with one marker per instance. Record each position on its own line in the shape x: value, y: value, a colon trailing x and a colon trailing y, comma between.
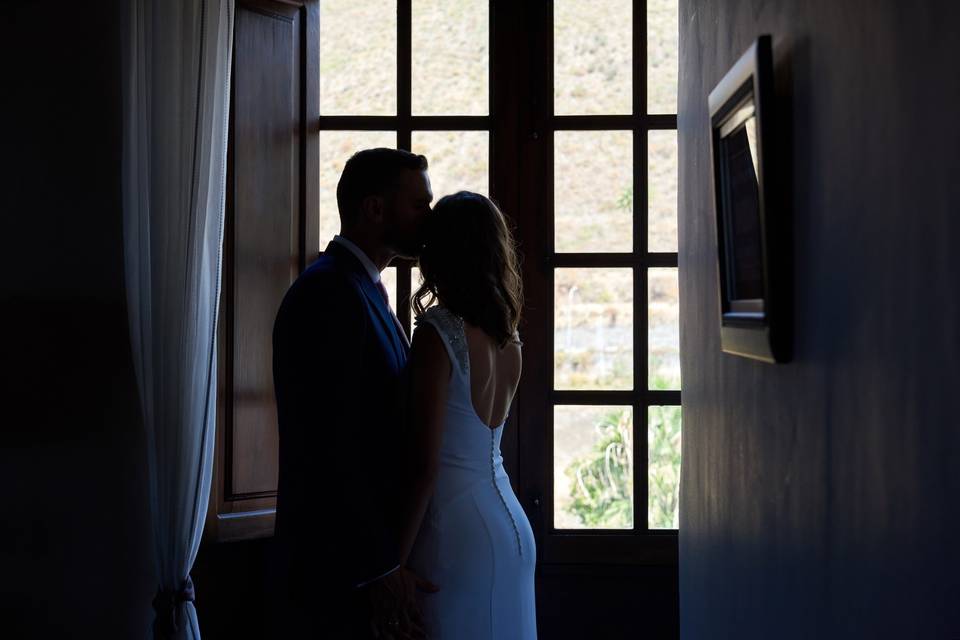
x: 459, y: 160
x: 415, y: 281
x: 336, y: 147
x: 592, y: 467
x: 593, y: 191
x: 662, y: 191
x: 416, y: 278
x: 358, y: 57
x: 663, y: 467
x: 389, y: 277
x: 593, y: 329
x: 592, y: 57
x: 450, y: 57
x: 663, y: 300
x: 663, y: 47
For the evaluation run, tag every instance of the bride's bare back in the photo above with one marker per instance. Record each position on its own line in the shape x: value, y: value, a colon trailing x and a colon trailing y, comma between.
x: 494, y: 375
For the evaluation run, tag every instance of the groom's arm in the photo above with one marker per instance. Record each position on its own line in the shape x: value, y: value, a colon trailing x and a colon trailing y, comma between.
x: 392, y: 599
x: 325, y: 441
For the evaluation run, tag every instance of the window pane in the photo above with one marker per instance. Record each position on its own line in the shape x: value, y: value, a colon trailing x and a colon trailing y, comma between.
x: 593, y: 329
x: 416, y: 278
x: 450, y: 59
x: 662, y: 191
x: 592, y: 57
x: 663, y: 299
x: 593, y: 191
x: 358, y: 57
x: 459, y: 160
x: 336, y: 147
x: 663, y: 467
x: 663, y: 46
x: 592, y: 467
x: 415, y: 281
x: 389, y: 277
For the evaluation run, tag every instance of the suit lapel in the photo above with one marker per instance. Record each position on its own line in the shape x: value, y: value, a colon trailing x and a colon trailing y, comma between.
x: 386, y: 317
x: 372, y: 293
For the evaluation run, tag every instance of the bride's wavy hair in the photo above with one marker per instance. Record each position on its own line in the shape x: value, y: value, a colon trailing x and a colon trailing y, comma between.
x: 470, y: 264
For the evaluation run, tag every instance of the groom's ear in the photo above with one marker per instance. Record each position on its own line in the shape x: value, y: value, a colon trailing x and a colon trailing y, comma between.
x: 372, y: 208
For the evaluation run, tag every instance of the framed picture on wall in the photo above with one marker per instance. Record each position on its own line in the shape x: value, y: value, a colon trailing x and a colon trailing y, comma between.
x: 751, y: 239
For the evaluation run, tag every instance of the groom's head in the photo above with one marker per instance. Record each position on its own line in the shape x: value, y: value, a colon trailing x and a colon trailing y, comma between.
x: 384, y: 196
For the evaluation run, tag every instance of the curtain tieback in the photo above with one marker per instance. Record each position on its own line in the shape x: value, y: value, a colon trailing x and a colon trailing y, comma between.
x: 167, y: 606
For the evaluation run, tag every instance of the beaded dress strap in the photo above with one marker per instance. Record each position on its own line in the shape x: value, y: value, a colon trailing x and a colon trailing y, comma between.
x: 450, y: 327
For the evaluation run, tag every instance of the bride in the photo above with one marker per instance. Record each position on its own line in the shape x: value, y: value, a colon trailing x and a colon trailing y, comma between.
x: 474, y: 541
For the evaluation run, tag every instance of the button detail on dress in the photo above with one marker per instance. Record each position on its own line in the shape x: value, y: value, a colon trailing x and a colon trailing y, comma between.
x: 493, y: 477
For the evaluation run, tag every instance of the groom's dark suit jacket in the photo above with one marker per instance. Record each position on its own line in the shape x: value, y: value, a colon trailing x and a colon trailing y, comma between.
x: 338, y: 362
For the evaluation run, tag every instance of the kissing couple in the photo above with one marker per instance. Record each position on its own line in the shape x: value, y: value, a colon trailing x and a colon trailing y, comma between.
x: 395, y: 517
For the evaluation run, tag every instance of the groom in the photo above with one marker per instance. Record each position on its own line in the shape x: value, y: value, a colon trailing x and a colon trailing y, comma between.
x: 338, y: 356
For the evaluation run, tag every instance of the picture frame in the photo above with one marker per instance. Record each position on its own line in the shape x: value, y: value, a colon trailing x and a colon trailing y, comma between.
x: 752, y: 253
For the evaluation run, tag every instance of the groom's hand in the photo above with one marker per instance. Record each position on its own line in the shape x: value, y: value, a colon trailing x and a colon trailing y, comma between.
x: 394, y: 611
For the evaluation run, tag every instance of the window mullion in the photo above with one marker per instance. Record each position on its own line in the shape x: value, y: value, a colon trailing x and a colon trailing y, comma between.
x: 404, y: 71
x: 639, y: 58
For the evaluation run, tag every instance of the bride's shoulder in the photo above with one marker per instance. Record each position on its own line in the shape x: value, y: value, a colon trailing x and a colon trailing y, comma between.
x: 440, y: 317
x: 449, y: 327
x: 446, y: 323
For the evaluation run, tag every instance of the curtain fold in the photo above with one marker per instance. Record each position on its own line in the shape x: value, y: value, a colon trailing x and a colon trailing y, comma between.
x: 177, y: 59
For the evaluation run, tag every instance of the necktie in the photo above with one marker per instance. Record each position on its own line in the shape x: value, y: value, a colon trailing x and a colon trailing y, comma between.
x: 396, y: 320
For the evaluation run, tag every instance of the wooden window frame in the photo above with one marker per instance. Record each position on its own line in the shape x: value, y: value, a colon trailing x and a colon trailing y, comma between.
x: 521, y: 133
x: 537, y: 398
x: 521, y: 182
x: 404, y: 123
x: 231, y: 514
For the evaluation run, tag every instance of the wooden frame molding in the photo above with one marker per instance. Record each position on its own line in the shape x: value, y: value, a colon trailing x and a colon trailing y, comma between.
x: 274, y: 87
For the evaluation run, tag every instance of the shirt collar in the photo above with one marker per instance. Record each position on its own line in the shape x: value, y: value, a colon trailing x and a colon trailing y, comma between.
x: 367, y: 263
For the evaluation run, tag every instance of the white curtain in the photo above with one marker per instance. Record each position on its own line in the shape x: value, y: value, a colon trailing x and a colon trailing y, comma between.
x: 177, y: 57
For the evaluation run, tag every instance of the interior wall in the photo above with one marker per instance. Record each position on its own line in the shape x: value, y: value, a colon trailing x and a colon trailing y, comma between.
x: 75, y: 543
x: 819, y: 498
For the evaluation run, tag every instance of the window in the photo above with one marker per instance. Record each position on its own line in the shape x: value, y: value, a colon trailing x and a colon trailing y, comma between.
x: 613, y: 449
x: 387, y: 80
x: 564, y: 113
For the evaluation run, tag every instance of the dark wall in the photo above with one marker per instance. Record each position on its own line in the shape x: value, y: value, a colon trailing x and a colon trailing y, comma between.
x: 75, y: 543
x: 820, y: 498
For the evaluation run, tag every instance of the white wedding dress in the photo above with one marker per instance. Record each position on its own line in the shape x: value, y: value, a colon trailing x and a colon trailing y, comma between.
x: 475, y: 542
